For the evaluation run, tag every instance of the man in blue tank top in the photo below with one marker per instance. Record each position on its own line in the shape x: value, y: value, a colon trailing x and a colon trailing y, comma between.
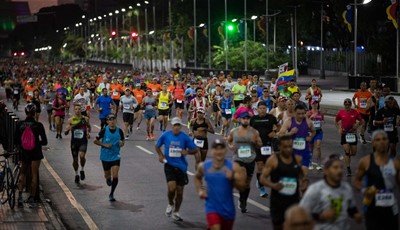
x: 221, y: 176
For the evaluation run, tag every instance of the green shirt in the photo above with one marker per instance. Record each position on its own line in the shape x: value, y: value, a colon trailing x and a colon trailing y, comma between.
x: 241, y: 89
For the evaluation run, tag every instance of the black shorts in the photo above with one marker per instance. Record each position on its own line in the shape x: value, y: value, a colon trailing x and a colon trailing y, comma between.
x: 107, y: 165
x: 16, y: 97
x: 116, y: 103
x: 279, y: 207
x: 163, y: 112
x: 28, y: 156
x: 175, y: 174
x: 249, y: 168
x: 237, y: 103
x: 260, y: 157
x: 205, y: 144
x: 50, y: 111
x: 215, y: 108
x: 127, y: 118
x: 179, y: 105
x: 77, y: 147
x: 343, y: 140
x: 365, y: 117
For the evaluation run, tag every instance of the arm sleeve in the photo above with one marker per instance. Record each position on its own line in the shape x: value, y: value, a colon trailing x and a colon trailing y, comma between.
x: 121, y: 134
x: 42, y: 134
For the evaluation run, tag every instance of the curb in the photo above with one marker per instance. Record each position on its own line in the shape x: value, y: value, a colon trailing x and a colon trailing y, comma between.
x: 54, y: 218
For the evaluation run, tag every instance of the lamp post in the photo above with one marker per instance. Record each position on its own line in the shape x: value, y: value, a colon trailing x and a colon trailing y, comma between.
x: 226, y: 36
x: 245, y: 35
x: 209, y: 35
x: 116, y: 25
x: 321, y: 58
x: 254, y: 17
x: 154, y: 29
x: 195, y: 33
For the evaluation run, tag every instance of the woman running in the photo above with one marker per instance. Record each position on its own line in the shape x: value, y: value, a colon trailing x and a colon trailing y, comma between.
x: 59, y: 106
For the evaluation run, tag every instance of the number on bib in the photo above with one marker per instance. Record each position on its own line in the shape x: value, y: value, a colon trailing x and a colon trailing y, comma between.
x: 115, y: 93
x: 388, y: 127
x: 30, y: 93
x: 199, y: 143
x: 163, y: 105
x: 16, y: 91
x: 228, y: 111
x: 244, y: 152
x: 241, y: 96
x: 266, y: 150
x: 127, y: 106
x: 350, y: 138
x: 299, y: 143
x: 179, y: 101
x: 384, y: 198
x: 317, y: 124
x: 78, y: 133
x: 175, y: 152
x: 289, y: 186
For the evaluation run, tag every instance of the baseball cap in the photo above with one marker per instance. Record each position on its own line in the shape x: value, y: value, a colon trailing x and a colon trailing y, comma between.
x: 111, y: 116
x: 214, y: 78
x: 389, y: 98
x: 218, y: 142
x: 244, y: 114
x: 282, y: 99
x: 348, y: 100
x: 138, y: 85
x: 200, y: 110
x: 176, y: 121
x: 30, y: 80
x: 127, y: 89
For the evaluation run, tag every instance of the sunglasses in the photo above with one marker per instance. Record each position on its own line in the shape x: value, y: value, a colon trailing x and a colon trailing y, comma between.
x: 110, y: 119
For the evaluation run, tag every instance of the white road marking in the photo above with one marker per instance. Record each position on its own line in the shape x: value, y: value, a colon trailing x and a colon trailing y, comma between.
x: 97, y: 126
x: 255, y: 203
x: 190, y: 173
x: 86, y: 217
x: 145, y: 150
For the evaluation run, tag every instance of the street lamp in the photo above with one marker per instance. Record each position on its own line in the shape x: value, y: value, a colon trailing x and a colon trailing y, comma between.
x: 355, y: 30
x: 254, y: 17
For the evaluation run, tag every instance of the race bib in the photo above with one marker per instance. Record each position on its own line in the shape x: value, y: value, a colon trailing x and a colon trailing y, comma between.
x: 228, y: 111
x: 388, y: 127
x: 299, y: 143
x: 179, y: 101
x: 30, y: 93
x: 317, y: 124
x: 363, y: 103
x: 127, y: 106
x: 384, y: 198
x: 78, y: 133
x: 266, y: 150
x: 115, y: 93
x: 163, y: 105
x: 241, y: 96
x: 244, y: 151
x: 350, y: 138
x: 199, y: 143
x: 16, y: 91
x: 155, y: 93
x: 315, y: 98
x: 175, y: 152
x: 289, y: 186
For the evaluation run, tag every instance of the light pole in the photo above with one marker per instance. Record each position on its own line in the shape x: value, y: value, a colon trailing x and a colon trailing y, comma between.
x: 245, y: 35
x: 209, y: 35
x: 355, y: 31
x: 138, y: 27
x: 226, y: 36
x: 267, y: 34
x: 195, y: 33
x: 116, y: 25
x: 322, y: 71
x: 254, y: 17
x: 171, y: 48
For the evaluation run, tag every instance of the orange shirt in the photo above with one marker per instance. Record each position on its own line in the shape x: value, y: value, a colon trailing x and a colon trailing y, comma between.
x: 178, y: 92
x: 170, y: 88
x: 155, y: 88
x: 139, y: 95
x: 362, y: 98
x: 116, y: 90
x: 29, y: 91
x: 98, y: 80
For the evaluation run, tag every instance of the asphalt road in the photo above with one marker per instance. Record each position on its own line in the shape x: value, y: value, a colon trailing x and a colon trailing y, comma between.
x: 141, y: 192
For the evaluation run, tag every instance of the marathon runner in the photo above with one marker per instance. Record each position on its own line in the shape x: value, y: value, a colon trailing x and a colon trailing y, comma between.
x: 317, y: 118
x: 59, y: 106
x: 149, y: 105
x: 238, y: 92
x: 105, y: 105
x: 179, y: 99
x: 116, y: 90
x: 48, y: 99
x: 362, y: 97
x: 16, y: 96
x: 215, y: 97
x: 128, y: 106
x: 313, y: 93
x: 164, y: 98
x: 83, y: 99
x: 139, y: 94
x: 225, y: 106
x: 80, y: 133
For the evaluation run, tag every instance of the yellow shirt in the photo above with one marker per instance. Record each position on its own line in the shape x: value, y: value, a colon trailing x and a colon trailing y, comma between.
x: 163, y: 101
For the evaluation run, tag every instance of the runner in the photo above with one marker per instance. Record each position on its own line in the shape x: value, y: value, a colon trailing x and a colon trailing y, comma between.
x: 386, y: 119
x: 139, y: 94
x: 225, y: 105
x: 128, y: 106
x: 149, y: 105
x: 317, y: 117
x: 362, y: 97
x: 279, y: 111
x: 348, y: 131
x: 80, y: 133
x: 221, y: 176
x: 296, y: 98
x: 198, y: 102
x: 104, y: 105
x: 178, y: 94
x: 190, y: 94
x: 116, y: 90
x: 379, y: 174
x: 199, y: 127
x: 83, y: 99
x: 16, y: 88
x: 36, y: 99
x: 239, y: 92
x: 164, y: 98
x: 285, y: 91
x: 267, y: 99
x: 215, y: 97
x: 245, y: 107
x: 330, y: 200
x: 29, y: 89
x: 59, y: 106
x: 267, y: 126
x: 111, y: 139
x: 176, y: 146
x: 313, y: 93
x: 284, y: 175
x: 243, y: 141
x: 293, y: 88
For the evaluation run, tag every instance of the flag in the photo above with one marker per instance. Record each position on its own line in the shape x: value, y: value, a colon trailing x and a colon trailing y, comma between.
x: 391, y: 12
x: 284, y: 78
x: 283, y: 68
x: 190, y: 32
x: 261, y: 24
x: 221, y: 32
x: 348, y: 17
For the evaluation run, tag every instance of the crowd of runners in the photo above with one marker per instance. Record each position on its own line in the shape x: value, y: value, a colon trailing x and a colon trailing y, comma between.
x: 267, y: 127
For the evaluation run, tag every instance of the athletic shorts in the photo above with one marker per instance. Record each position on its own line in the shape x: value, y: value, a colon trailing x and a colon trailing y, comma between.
x: 260, y: 157
x: 377, y: 218
x: 318, y: 136
x: 365, y: 117
x: 215, y: 108
x: 214, y: 218
x: 249, y: 168
x: 175, y: 174
x: 50, y: 111
x: 163, y: 112
x: 77, y: 147
x: 344, y: 142
x: 305, y: 155
x: 205, y: 143
x: 107, y: 165
x: 226, y: 116
x: 127, y: 118
x: 179, y: 105
x: 237, y: 103
x: 116, y: 103
x: 279, y: 207
x: 148, y: 114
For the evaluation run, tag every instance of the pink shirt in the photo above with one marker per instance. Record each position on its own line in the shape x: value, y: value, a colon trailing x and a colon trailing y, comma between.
x: 242, y: 110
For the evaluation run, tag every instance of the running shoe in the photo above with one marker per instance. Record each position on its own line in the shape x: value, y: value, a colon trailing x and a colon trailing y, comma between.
x: 77, y: 179
x: 318, y: 167
x: 148, y: 138
x: 109, y: 182
x: 263, y: 192
x: 169, y: 210
x: 127, y: 137
x: 138, y: 128
x: 111, y: 198
x: 152, y: 136
x: 82, y: 175
x: 176, y: 216
x: 311, y: 167
x: 242, y: 206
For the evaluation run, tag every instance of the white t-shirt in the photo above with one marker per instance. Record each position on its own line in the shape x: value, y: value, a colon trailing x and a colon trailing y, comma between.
x: 83, y: 100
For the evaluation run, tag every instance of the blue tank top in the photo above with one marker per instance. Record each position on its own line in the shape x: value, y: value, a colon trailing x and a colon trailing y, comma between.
x: 226, y: 103
x: 219, y: 190
x: 300, y: 144
x: 112, y: 154
x: 268, y: 102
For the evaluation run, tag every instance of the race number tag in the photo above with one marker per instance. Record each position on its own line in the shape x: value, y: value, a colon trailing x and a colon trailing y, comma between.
x: 388, y: 127
x: 179, y: 101
x: 363, y: 103
x: 266, y: 150
x: 350, y: 138
x: 199, y: 143
x: 299, y: 143
x: 228, y: 111
x: 244, y: 151
x: 78, y: 133
x: 163, y: 105
x: 317, y: 124
x: 289, y: 186
x: 127, y: 106
x: 155, y: 93
x: 384, y: 198
x: 175, y: 152
x: 315, y: 98
x: 16, y: 91
x: 115, y: 93
x: 30, y: 93
x: 241, y: 96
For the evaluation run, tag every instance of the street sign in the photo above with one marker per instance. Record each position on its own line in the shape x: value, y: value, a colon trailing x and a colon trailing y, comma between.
x: 27, y: 18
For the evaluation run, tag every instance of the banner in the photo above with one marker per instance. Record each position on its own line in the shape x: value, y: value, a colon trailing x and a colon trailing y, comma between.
x: 284, y: 78
x: 348, y: 17
x: 283, y: 68
x: 391, y: 12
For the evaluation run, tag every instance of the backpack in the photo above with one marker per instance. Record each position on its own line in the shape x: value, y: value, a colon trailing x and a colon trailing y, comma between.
x: 28, y: 139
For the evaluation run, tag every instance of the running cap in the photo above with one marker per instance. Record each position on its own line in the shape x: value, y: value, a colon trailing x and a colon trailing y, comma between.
x: 176, y: 121
x: 218, y: 142
x: 244, y: 114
